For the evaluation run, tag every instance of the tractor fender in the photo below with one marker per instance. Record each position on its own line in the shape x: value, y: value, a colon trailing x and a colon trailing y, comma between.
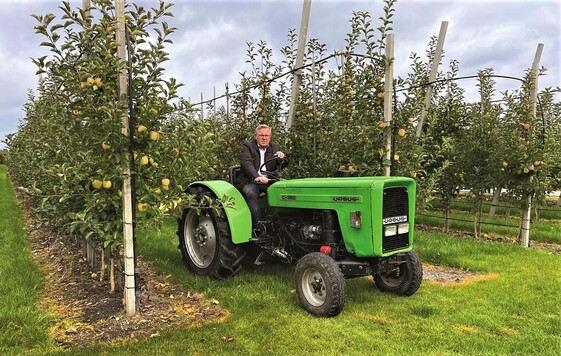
x: 238, y: 215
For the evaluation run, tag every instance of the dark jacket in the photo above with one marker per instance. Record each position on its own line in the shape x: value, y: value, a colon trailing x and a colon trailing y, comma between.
x: 250, y: 161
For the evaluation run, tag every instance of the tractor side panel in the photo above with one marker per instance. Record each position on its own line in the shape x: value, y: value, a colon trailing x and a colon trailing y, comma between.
x: 238, y: 215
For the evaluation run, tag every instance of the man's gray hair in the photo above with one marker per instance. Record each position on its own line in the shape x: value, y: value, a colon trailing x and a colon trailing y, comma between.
x: 261, y: 127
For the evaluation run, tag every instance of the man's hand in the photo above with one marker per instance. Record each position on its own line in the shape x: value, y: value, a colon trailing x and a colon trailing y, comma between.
x: 262, y: 180
x: 279, y: 154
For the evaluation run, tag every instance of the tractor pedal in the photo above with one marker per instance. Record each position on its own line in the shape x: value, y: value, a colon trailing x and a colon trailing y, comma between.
x: 257, y: 262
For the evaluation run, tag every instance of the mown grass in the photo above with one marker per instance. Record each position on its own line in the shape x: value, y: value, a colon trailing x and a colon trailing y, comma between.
x: 515, y: 311
x: 518, y: 311
x: 23, y: 326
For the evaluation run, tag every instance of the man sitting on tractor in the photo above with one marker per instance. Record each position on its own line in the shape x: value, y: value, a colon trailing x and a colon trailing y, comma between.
x: 253, y: 180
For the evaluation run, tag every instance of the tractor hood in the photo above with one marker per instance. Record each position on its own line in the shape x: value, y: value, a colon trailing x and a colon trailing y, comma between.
x: 382, y: 203
x: 340, y: 182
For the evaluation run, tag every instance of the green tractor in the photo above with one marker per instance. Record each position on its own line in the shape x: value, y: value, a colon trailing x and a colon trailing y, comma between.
x: 335, y: 228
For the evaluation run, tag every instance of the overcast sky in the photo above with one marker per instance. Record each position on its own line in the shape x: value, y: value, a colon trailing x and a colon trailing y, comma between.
x: 210, y: 44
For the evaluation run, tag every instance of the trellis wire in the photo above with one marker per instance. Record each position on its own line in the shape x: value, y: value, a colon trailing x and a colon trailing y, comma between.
x: 481, y: 222
x: 228, y: 94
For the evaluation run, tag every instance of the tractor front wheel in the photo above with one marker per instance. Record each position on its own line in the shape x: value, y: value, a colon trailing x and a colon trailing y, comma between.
x: 320, y: 285
x: 205, y: 242
x: 401, y: 274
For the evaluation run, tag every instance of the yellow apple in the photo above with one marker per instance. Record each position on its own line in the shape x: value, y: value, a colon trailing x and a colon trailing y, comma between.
x: 142, y: 206
x: 154, y: 135
x: 141, y: 128
x: 107, y: 184
x: 96, y: 183
x: 105, y: 145
x: 401, y: 132
x: 144, y: 160
x: 165, y: 182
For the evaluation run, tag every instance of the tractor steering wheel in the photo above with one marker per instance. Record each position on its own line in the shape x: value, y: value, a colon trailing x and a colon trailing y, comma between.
x: 272, y: 176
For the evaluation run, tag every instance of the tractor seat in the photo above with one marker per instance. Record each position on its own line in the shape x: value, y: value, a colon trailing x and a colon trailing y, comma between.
x: 234, y: 174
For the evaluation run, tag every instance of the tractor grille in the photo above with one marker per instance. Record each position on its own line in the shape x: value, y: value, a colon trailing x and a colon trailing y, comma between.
x: 396, y: 204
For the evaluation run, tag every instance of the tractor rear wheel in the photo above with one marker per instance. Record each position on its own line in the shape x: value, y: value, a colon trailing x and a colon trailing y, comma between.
x: 401, y: 274
x: 320, y: 285
x: 205, y: 241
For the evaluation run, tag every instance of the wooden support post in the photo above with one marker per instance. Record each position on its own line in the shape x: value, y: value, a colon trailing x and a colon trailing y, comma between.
x: 388, y: 100
x: 128, y: 244
x: 527, y: 212
x: 227, y: 103
x: 432, y: 76
x: 202, y: 107
x: 302, y: 38
x: 86, y: 6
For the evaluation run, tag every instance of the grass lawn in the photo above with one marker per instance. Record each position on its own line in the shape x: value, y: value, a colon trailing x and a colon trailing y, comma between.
x: 22, y: 326
x: 515, y: 309
x: 518, y: 310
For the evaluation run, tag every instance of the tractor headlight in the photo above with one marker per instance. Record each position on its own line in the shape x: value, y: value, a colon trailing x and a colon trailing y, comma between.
x: 390, y: 230
x: 403, y: 228
x: 355, y: 219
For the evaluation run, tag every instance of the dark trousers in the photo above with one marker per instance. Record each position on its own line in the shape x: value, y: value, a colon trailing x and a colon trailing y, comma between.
x: 251, y: 192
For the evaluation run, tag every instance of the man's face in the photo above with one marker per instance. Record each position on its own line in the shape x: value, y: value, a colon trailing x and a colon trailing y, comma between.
x: 263, y: 137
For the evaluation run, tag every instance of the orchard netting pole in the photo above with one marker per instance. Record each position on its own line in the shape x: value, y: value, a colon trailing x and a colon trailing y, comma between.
x: 302, y: 38
x: 432, y: 77
x: 526, y: 213
x: 128, y: 231
x: 388, y: 95
x: 86, y: 6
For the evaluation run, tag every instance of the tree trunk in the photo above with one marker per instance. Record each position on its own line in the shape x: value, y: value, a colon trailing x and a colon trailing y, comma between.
x: 495, y: 201
x: 447, y: 218
x: 446, y: 214
x: 477, y: 217
x: 525, y: 215
x: 507, y: 209
x: 90, y: 254
x: 536, y: 212
x: 559, y: 200
x: 112, y: 275
x: 103, y: 267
